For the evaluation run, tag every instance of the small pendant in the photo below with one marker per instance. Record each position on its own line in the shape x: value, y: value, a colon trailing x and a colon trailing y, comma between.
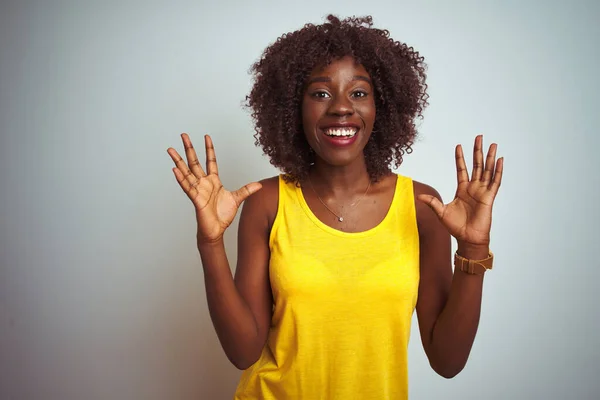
x: 341, y: 219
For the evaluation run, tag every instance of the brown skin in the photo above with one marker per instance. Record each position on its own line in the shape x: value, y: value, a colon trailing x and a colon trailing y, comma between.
x: 449, y: 305
x: 397, y: 71
x: 338, y: 94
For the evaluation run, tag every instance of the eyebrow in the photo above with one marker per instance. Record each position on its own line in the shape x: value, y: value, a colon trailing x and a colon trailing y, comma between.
x: 327, y: 79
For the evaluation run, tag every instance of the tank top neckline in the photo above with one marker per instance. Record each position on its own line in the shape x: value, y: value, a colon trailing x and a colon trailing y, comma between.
x: 337, y: 232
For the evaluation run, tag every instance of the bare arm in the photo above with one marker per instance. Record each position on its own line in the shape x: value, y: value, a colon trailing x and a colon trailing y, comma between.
x: 240, y: 310
x: 449, y: 304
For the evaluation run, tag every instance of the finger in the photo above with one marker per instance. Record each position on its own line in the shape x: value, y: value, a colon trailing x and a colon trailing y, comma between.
x: 188, y: 188
x: 244, y: 192
x: 192, y: 157
x: 462, y: 175
x: 497, y: 176
x: 434, y: 203
x: 490, y: 162
x: 211, y: 158
x: 182, y: 167
x: 477, y: 159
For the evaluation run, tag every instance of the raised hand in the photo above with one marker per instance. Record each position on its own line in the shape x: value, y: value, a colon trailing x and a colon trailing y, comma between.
x: 215, y: 206
x: 469, y: 216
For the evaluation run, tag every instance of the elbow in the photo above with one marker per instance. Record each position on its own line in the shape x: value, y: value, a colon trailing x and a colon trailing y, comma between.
x: 241, y: 365
x: 448, y: 373
x: 243, y: 352
x: 242, y: 362
x: 447, y: 370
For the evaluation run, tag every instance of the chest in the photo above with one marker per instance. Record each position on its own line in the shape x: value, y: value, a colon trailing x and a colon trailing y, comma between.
x: 309, y: 268
x: 352, y: 215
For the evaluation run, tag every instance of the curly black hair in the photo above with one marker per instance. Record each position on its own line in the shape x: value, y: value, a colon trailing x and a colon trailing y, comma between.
x: 397, y: 72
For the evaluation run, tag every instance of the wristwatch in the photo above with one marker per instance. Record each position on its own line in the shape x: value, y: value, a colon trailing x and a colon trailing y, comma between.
x: 473, y: 267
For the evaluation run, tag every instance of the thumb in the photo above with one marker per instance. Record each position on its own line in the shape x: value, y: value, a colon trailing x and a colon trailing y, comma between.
x: 246, y: 191
x: 433, y: 202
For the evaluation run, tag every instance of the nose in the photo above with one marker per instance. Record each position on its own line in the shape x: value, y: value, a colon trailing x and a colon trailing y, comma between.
x: 341, y: 105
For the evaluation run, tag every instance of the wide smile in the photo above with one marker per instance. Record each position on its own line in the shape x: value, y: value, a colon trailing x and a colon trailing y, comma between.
x: 341, y: 135
x: 341, y: 132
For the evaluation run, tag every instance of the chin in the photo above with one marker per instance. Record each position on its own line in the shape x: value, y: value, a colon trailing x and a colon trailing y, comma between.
x: 341, y: 161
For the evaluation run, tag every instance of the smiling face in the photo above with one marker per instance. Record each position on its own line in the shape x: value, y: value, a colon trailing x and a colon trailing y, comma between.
x: 338, y: 111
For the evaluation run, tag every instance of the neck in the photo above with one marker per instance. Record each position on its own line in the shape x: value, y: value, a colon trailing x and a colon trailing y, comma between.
x: 339, y: 182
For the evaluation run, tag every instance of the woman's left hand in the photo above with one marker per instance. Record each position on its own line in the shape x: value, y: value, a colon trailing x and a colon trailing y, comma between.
x: 469, y: 216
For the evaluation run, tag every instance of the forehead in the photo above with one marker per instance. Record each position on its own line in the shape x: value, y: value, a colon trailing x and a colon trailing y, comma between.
x: 346, y: 66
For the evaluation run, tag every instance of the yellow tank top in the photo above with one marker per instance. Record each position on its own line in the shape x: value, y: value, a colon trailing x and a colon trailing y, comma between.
x: 343, y: 304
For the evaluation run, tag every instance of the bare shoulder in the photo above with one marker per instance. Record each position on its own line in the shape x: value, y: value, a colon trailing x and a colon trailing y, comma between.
x: 422, y: 188
x: 425, y: 216
x: 263, y: 204
x: 271, y: 186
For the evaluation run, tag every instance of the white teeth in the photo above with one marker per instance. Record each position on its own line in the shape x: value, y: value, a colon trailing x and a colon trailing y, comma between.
x: 347, y: 132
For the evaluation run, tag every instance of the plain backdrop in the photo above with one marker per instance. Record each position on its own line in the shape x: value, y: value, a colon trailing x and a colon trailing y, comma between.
x: 101, y: 287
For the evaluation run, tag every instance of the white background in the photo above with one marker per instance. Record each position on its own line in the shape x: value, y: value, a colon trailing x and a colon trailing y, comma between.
x: 101, y: 288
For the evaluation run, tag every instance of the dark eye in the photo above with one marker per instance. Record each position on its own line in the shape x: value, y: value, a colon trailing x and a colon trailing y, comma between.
x: 360, y: 93
x: 320, y: 94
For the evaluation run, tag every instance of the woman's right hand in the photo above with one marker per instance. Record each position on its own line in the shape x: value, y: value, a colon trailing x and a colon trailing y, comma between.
x: 215, y: 207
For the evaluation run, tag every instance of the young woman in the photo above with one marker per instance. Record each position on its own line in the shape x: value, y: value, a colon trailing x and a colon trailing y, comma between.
x: 337, y: 252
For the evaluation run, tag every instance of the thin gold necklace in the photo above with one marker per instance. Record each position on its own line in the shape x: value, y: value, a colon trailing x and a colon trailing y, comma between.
x: 339, y: 217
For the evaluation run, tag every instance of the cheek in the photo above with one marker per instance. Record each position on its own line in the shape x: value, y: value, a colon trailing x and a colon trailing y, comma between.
x: 368, y: 114
x: 307, y: 112
x: 372, y: 112
x: 308, y: 123
x: 311, y: 115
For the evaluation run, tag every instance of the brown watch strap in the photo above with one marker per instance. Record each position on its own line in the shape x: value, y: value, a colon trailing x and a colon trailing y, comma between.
x: 473, y: 267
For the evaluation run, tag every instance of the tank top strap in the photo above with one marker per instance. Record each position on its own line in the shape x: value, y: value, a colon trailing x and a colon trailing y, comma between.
x: 287, y: 199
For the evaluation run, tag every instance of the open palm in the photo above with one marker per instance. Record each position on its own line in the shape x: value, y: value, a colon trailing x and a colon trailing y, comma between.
x: 469, y: 216
x: 215, y: 206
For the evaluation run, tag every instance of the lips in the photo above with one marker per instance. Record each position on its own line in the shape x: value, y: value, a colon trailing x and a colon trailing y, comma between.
x: 340, y: 125
x: 341, y: 134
